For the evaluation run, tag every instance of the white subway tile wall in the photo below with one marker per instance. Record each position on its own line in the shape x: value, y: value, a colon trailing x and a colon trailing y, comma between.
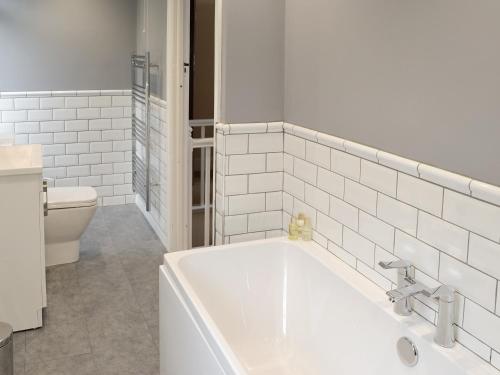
x: 366, y: 206
x: 75, y: 129
x: 249, y: 182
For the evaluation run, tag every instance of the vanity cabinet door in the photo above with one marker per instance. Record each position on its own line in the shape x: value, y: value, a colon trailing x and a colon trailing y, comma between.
x: 22, y: 278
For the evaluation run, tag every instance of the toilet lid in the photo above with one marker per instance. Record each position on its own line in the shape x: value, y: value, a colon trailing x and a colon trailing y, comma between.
x: 71, y: 197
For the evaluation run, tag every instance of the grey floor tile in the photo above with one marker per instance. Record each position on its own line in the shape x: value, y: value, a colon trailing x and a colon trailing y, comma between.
x: 125, y: 323
x: 61, y: 272
x: 102, y: 314
x: 102, y: 267
x: 94, y: 249
x: 97, y: 224
x: 105, y: 286
x: 96, y: 243
x: 154, y: 330
x: 56, y: 340
x: 99, y: 214
x: 147, y: 296
x: 128, y: 239
x: 64, y: 300
x: 144, y: 247
x: 116, y: 356
x: 19, y: 352
x: 96, y: 240
x: 104, y: 296
x: 76, y: 365
x: 127, y: 227
x: 142, y: 267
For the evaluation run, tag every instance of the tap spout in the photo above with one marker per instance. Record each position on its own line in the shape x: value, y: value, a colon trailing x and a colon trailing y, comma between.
x: 396, y: 264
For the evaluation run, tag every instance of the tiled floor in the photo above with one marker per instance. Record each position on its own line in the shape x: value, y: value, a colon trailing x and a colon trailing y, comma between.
x: 102, y: 314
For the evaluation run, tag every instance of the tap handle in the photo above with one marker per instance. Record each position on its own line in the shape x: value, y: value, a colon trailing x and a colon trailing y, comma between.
x: 444, y: 293
x: 396, y: 264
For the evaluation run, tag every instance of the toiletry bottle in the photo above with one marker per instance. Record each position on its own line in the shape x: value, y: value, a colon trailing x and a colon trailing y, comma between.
x: 293, y: 233
x: 307, y: 230
x: 300, y: 224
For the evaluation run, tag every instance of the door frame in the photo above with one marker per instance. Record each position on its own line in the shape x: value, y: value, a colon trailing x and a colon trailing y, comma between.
x: 218, y: 79
x: 218, y: 48
x: 178, y: 140
x: 179, y: 158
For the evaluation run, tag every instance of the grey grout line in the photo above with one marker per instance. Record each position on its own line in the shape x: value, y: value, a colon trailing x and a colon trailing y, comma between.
x: 439, y: 266
x: 496, y: 299
x: 470, y: 187
x: 359, y: 214
x: 477, y: 338
x: 394, y: 242
x: 442, y: 204
x: 463, y: 312
x: 397, y: 184
x: 418, y: 222
x: 468, y: 247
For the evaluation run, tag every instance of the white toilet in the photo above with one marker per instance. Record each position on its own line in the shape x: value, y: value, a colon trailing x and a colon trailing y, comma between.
x: 70, y: 210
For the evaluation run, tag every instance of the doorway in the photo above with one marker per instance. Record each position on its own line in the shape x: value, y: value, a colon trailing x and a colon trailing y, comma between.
x: 201, y: 118
x: 193, y: 87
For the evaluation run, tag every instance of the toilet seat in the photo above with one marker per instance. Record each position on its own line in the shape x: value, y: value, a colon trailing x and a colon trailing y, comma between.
x: 71, y: 197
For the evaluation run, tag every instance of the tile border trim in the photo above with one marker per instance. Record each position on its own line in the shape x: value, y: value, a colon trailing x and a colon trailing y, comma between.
x: 56, y: 93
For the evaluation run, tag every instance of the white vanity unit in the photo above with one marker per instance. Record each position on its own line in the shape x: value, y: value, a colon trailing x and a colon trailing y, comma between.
x: 22, y: 249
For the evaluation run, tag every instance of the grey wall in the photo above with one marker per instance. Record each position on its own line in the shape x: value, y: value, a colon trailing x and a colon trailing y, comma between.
x: 66, y: 44
x: 152, y: 37
x: 252, y: 61
x: 417, y: 78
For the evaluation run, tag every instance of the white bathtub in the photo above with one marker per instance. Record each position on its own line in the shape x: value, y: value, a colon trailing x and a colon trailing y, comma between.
x: 281, y: 307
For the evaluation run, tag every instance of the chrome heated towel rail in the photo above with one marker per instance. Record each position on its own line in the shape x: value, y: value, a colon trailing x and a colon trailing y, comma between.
x: 141, y: 181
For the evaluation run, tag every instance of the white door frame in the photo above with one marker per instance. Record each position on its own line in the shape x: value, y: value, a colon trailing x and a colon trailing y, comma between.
x: 188, y: 144
x: 178, y: 141
x: 218, y: 46
x: 179, y: 159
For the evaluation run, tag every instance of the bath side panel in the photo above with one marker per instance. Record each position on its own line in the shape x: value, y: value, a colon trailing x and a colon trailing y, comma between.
x: 183, y: 349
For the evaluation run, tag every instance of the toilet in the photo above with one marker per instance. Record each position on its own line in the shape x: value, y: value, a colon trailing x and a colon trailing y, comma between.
x: 70, y: 210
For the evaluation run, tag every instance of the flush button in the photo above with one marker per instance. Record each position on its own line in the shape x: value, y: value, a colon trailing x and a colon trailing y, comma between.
x: 407, y: 351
